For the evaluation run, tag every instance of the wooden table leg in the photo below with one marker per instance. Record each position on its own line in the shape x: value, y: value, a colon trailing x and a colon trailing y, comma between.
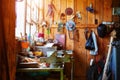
x: 61, y: 74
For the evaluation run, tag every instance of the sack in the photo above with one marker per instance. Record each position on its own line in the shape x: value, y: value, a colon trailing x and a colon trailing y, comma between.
x: 102, y: 30
x: 89, y: 43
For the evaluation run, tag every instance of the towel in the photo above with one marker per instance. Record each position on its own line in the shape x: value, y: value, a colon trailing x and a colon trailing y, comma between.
x: 95, y: 51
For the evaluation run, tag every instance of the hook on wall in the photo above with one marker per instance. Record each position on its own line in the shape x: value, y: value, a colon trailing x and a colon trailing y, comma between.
x: 86, y: 32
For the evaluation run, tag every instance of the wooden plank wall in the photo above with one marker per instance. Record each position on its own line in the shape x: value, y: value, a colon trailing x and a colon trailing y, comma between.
x: 103, y: 12
x: 81, y: 56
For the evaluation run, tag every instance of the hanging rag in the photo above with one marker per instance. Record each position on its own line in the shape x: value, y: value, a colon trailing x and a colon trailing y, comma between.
x: 70, y: 26
x: 95, y: 51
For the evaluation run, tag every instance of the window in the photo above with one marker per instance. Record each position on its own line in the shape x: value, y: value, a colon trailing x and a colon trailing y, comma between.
x: 20, y: 13
x: 29, y: 14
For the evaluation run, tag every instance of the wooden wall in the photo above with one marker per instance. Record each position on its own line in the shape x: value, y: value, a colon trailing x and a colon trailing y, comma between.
x: 103, y: 12
x: 81, y: 55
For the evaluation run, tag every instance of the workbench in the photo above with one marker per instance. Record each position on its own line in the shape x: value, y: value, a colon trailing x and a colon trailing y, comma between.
x: 53, y: 58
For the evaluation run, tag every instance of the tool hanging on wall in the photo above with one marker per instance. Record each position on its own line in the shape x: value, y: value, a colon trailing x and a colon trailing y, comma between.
x: 78, y: 14
x: 62, y: 16
x: 68, y: 11
x: 70, y: 26
x: 51, y: 11
x: 61, y: 22
x: 60, y: 26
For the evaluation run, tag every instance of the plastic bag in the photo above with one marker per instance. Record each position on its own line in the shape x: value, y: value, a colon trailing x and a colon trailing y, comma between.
x: 89, y: 43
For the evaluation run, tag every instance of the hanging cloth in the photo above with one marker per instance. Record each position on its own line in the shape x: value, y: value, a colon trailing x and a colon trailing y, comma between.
x: 70, y: 26
x: 95, y: 51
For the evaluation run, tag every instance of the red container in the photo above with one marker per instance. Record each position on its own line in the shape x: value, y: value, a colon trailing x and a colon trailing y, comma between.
x: 40, y: 35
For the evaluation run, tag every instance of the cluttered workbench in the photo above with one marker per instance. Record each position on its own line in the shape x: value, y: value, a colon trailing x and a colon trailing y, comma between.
x: 53, y: 61
x: 50, y: 56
